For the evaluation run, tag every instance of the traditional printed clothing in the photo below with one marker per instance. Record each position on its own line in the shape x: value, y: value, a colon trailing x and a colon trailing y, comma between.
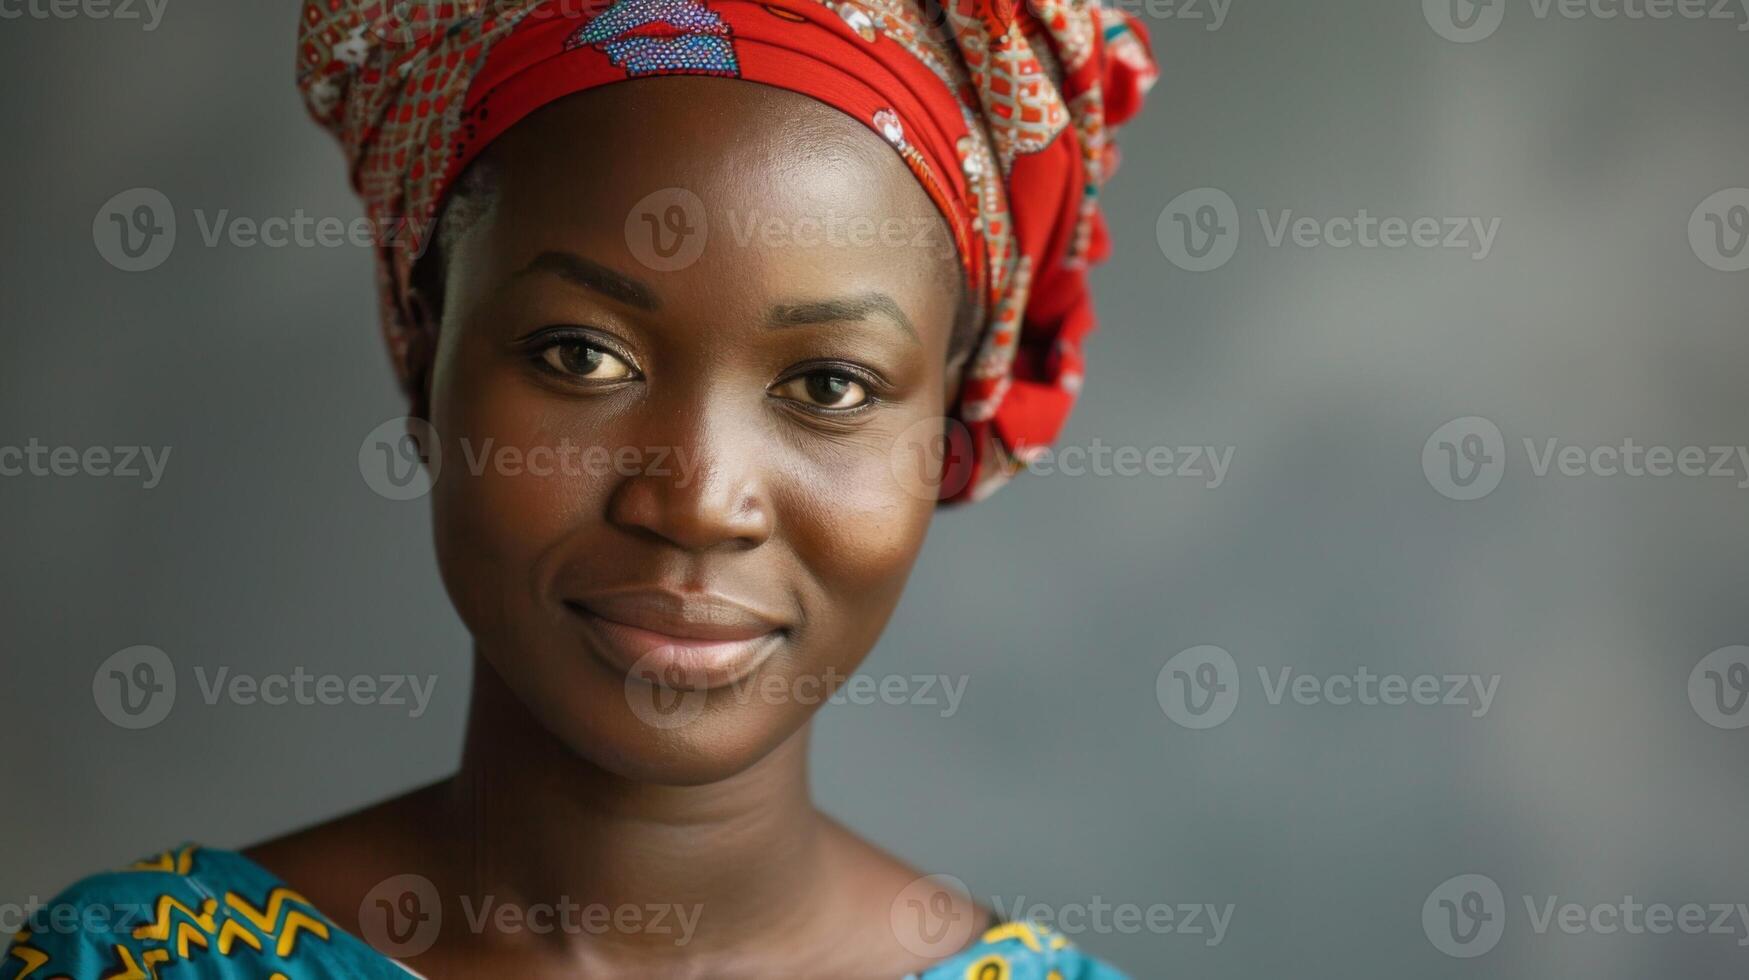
x: 193, y: 913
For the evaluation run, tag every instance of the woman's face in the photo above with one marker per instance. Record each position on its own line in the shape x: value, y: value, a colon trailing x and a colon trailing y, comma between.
x: 685, y: 439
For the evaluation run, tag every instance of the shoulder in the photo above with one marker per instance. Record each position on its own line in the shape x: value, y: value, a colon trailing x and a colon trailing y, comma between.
x: 210, y: 912
x: 1023, y: 951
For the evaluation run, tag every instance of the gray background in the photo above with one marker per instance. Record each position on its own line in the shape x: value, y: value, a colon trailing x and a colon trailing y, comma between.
x: 1060, y: 779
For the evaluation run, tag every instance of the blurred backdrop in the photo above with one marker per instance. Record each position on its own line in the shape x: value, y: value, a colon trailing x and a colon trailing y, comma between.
x: 1447, y: 639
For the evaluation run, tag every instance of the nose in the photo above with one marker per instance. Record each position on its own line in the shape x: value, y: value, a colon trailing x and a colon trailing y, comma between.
x: 704, y: 492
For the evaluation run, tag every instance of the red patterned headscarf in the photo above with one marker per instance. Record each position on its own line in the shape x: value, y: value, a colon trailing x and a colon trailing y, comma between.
x: 1002, y: 110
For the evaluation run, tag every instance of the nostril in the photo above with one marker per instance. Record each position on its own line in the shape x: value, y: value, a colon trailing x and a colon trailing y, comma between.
x: 714, y: 510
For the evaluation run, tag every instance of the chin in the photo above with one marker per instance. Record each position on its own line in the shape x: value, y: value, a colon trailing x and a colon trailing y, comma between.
x: 646, y: 733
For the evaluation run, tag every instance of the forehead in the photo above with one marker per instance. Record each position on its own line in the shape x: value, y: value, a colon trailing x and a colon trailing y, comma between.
x: 707, y: 186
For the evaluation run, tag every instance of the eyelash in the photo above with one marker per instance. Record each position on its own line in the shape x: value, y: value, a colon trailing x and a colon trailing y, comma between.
x: 873, y: 387
x: 539, y: 344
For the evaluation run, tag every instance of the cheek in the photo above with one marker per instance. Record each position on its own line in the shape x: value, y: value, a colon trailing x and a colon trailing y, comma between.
x: 515, y: 483
x: 857, y: 518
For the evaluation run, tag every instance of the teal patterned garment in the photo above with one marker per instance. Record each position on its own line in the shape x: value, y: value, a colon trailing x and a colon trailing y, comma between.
x: 195, y: 912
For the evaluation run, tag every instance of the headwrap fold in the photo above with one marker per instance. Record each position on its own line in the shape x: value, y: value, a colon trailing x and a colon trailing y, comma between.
x: 1002, y: 111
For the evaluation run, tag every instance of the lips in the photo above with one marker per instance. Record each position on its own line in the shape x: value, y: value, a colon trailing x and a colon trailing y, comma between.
x: 680, y: 640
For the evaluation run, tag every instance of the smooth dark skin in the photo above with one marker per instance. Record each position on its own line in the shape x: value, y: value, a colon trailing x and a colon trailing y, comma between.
x: 562, y: 790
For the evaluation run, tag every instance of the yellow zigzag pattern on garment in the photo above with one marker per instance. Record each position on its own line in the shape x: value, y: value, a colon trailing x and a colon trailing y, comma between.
x: 33, y: 958
x: 176, y: 862
x: 195, y: 928
x: 286, y: 936
x: 1033, y: 935
x: 132, y: 969
x: 201, y: 928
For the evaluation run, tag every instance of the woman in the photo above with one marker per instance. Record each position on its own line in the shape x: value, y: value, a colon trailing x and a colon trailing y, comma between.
x: 798, y: 313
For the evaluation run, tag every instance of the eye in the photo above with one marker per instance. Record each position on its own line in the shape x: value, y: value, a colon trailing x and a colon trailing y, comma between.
x: 584, y: 361
x: 831, y: 390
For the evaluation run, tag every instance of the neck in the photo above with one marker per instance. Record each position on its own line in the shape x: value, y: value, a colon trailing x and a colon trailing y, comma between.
x: 536, y: 824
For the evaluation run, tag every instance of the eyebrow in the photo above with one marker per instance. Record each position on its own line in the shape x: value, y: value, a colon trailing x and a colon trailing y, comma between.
x: 841, y: 310
x: 594, y: 276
